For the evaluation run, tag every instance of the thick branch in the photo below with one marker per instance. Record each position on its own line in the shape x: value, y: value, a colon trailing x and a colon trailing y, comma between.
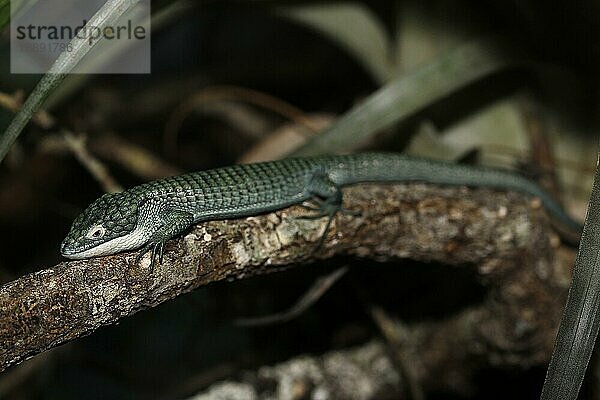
x: 365, y: 372
x: 494, y: 231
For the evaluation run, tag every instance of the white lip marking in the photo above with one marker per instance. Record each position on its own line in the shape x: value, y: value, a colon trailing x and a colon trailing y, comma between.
x: 131, y: 241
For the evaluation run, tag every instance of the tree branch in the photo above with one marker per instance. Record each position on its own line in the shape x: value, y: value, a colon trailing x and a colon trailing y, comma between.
x: 364, y: 372
x: 504, y: 236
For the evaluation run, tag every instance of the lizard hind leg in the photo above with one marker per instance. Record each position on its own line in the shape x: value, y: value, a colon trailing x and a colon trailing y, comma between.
x: 328, y: 200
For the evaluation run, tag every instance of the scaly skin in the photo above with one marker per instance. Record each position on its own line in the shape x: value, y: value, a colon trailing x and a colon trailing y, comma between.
x: 150, y: 214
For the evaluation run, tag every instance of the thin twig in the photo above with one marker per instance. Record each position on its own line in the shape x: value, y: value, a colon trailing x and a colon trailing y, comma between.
x: 220, y: 93
x: 132, y: 157
x: 283, y: 140
x: 13, y: 103
x: 98, y: 170
x: 310, y: 297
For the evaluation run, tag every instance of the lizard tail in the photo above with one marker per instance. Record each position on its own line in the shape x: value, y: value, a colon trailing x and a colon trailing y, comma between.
x: 390, y: 167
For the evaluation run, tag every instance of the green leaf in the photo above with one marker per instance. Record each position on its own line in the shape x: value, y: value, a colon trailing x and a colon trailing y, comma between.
x: 4, y: 13
x: 11, y: 7
x: 580, y: 321
x: 403, y: 97
x: 110, y: 12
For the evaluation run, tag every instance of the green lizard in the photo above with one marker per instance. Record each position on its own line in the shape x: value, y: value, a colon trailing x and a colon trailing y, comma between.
x: 148, y: 215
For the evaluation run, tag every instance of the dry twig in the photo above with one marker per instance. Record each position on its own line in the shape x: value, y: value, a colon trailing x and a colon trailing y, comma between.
x: 310, y: 297
x: 98, y: 170
x: 222, y: 93
x: 14, y: 103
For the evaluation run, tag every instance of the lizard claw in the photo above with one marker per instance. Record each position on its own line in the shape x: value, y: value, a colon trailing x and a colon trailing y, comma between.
x: 157, y: 252
x: 143, y: 251
x: 160, y: 251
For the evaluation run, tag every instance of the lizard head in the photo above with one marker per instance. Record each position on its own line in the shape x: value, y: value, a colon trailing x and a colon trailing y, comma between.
x: 107, y: 226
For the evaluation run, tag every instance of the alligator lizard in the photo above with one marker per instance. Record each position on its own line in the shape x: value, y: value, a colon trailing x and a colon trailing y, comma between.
x: 148, y: 215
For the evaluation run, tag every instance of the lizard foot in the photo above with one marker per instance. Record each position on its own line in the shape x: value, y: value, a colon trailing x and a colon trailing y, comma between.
x: 157, y: 251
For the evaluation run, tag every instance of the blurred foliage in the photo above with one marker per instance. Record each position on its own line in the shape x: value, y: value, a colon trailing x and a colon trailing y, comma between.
x: 370, y: 45
x: 12, y: 7
x: 4, y: 13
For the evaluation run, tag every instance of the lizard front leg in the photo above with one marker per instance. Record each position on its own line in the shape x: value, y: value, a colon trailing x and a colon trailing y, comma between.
x: 171, y: 223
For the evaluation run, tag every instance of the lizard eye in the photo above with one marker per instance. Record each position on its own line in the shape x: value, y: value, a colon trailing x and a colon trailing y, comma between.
x: 96, y: 232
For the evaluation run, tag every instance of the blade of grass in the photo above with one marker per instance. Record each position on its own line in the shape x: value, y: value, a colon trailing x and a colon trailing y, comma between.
x: 160, y: 18
x: 8, y: 8
x: 580, y: 321
x: 405, y: 96
x: 106, y: 15
x: 4, y: 13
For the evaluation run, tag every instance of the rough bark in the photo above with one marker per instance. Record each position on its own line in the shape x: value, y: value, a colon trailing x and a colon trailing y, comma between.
x: 504, y: 236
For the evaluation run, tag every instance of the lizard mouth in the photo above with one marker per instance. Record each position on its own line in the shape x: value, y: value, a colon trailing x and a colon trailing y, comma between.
x: 77, y: 250
x: 70, y: 250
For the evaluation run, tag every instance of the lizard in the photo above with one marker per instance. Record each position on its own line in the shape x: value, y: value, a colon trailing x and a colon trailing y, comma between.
x: 148, y: 215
